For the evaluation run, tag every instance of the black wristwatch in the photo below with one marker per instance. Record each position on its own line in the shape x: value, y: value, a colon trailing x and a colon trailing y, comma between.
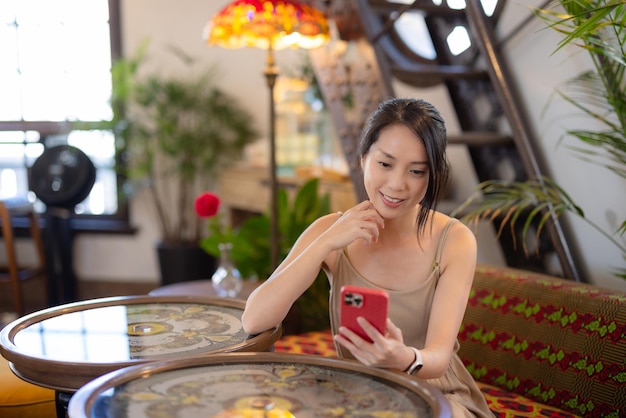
x: 417, y: 364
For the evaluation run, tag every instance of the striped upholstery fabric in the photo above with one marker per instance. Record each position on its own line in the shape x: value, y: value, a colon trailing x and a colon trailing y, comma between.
x: 554, y: 341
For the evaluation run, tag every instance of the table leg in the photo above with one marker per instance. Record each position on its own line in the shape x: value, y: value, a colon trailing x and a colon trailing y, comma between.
x: 62, y: 401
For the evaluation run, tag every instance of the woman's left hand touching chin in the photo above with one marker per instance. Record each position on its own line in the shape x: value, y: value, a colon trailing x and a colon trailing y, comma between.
x: 385, y: 351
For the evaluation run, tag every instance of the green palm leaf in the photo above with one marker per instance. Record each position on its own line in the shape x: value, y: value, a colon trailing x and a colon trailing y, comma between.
x: 533, y: 201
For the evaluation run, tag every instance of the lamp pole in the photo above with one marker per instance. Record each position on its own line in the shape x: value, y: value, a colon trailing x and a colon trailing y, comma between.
x: 271, y: 74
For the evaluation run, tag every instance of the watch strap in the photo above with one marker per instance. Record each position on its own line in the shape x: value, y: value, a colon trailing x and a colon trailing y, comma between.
x: 417, y: 364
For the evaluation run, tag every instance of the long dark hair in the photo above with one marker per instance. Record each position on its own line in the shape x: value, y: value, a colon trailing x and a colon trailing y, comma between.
x: 424, y: 120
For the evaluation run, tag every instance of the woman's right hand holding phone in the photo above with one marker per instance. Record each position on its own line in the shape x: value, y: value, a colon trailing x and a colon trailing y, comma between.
x: 385, y: 351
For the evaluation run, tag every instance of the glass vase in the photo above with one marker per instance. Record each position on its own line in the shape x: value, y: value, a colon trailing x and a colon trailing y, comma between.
x: 226, y: 280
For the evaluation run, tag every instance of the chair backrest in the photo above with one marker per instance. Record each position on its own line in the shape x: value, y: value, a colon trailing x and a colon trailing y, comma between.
x: 14, y: 272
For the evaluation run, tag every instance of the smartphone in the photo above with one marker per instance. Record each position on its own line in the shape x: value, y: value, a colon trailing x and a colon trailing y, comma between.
x: 371, y: 304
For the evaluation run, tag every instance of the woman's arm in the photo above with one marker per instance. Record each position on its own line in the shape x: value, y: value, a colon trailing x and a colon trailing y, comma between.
x: 458, y: 264
x: 268, y: 305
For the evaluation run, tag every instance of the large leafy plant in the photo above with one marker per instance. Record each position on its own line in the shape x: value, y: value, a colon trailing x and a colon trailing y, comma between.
x: 176, y: 135
x: 599, y: 28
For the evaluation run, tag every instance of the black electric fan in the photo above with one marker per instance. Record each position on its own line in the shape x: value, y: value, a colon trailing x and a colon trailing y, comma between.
x: 61, y: 178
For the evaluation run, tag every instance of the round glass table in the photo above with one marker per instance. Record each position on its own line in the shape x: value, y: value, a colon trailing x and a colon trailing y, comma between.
x: 66, y: 346
x: 253, y: 385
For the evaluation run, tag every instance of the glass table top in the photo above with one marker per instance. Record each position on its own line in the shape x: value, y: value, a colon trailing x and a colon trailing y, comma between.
x: 257, y: 385
x: 129, y: 332
x: 66, y: 346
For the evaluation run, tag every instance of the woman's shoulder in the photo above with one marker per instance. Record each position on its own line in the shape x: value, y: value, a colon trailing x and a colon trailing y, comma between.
x: 459, y: 241
x: 453, y: 227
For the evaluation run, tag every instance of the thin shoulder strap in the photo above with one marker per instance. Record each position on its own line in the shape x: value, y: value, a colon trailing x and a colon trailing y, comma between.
x: 440, y: 244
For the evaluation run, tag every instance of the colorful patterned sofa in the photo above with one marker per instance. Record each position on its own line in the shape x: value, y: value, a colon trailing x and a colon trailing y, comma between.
x: 536, y: 344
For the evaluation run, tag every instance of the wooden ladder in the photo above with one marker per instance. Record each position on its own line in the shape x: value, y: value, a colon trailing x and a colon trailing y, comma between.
x: 355, y: 75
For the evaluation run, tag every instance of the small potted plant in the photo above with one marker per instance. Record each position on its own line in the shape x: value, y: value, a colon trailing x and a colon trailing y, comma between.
x: 250, y: 250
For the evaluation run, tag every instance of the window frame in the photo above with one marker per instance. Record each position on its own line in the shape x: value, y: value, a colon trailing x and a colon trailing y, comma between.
x: 119, y: 222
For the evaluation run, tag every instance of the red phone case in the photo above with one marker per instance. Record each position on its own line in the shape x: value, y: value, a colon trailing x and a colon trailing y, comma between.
x: 371, y: 304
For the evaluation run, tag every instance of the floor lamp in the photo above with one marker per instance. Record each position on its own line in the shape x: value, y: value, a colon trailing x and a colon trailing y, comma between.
x: 270, y: 25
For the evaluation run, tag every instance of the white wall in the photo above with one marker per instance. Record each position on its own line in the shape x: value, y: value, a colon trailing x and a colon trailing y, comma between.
x: 167, y: 23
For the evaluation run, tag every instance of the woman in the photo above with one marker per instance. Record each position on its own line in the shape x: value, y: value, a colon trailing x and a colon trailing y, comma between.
x: 397, y: 242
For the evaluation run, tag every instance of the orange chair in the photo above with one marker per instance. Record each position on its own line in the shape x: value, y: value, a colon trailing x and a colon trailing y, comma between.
x: 20, y: 399
x: 14, y: 273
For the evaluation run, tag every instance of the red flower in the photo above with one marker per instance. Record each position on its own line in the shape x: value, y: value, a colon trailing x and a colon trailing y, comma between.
x: 207, y: 205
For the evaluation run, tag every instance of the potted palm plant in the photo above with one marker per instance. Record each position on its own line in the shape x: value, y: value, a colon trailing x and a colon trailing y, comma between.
x: 176, y: 134
x: 597, y: 27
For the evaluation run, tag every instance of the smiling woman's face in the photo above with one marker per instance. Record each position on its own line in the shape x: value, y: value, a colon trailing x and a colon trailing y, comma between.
x: 396, y: 171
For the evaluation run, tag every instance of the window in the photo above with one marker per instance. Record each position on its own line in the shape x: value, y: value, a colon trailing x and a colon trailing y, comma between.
x: 412, y: 29
x: 55, y: 70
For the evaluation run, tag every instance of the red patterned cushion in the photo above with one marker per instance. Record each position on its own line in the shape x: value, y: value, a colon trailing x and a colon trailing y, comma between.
x: 557, y: 342
x: 505, y: 404
x: 317, y: 342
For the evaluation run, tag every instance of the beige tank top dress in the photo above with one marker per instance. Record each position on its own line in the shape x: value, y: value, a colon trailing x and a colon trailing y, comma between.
x: 410, y: 310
